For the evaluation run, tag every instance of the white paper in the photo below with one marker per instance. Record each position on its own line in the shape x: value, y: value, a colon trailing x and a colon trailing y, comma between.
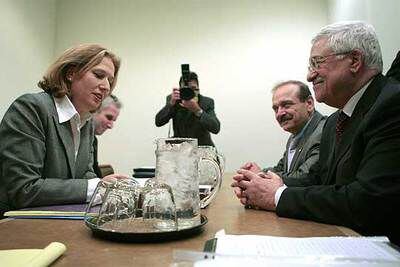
x: 315, y: 247
x: 257, y: 262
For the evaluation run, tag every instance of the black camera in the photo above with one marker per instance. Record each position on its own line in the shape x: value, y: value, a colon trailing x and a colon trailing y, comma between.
x: 185, y: 91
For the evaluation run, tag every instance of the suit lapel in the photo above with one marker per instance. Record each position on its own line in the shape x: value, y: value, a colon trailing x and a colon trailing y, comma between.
x: 348, y: 135
x: 86, y: 144
x: 330, y: 133
x: 316, y: 117
x: 64, y: 133
x: 299, y: 148
x: 287, y: 168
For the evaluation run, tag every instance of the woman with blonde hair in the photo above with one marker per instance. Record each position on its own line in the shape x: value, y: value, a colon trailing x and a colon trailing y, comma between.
x: 46, y: 152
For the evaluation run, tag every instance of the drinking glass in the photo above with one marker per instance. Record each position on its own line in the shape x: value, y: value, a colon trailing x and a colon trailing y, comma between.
x: 158, y: 207
x: 119, y: 203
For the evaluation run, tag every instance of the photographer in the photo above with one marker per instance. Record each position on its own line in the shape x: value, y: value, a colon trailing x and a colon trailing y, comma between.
x: 193, y: 117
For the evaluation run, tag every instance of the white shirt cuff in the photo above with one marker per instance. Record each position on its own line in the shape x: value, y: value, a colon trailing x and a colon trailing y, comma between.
x: 92, y: 184
x: 278, y: 194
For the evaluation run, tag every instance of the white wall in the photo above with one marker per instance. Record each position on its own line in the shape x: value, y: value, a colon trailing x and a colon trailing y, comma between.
x: 383, y: 14
x: 27, y: 32
x: 238, y: 48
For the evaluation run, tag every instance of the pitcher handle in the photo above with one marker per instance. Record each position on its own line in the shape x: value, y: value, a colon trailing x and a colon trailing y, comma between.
x: 207, y: 200
x: 222, y: 162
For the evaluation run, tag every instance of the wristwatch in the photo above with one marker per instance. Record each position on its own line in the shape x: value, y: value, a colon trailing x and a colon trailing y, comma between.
x: 198, y: 113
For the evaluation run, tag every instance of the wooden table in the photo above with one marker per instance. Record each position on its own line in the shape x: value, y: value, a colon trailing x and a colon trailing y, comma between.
x: 84, y: 250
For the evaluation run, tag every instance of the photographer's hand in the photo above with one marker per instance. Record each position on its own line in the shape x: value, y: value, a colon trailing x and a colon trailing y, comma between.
x: 175, y: 96
x: 191, y: 105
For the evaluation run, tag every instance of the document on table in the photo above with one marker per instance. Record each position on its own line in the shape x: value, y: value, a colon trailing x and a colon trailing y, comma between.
x: 333, y: 247
x: 258, y: 250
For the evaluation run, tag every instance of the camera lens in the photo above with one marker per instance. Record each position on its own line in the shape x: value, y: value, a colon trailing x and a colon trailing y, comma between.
x: 186, y: 93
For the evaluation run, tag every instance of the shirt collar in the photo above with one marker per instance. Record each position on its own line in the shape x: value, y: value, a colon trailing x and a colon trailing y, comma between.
x: 352, y: 103
x: 66, y: 110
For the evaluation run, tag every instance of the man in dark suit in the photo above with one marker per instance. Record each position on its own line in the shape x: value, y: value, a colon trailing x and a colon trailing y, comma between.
x: 357, y: 180
x: 194, y: 118
x: 294, y: 110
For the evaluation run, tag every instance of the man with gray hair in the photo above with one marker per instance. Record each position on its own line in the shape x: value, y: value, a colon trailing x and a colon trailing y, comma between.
x: 103, y: 120
x: 356, y: 182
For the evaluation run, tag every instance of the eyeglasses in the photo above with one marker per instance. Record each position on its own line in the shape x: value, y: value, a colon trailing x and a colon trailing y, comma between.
x: 315, y: 62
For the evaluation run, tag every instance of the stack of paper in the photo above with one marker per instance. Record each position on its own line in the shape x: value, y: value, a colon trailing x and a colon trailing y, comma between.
x: 32, y: 257
x: 37, y: 214
x: 257, y: 250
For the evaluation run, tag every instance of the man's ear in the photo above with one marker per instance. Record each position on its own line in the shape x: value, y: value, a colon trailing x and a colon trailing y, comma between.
x: 310, y: 104
x: 356, y: 57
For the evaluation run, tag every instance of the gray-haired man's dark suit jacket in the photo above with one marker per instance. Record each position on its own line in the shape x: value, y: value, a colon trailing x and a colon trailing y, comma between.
x: 356, y: 183
x: 187, y: 124
x: 307, y: 150
x: 394, y: 70
x: 37, y: 161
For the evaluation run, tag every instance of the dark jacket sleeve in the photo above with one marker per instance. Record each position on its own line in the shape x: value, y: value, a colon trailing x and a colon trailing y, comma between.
x: 165, y: 114
x: 209, y: 119
x: 279, y: 168
x: 312, y: 177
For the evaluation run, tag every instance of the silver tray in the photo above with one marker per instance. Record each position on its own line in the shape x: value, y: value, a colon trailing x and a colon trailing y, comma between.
x: 145, y: 237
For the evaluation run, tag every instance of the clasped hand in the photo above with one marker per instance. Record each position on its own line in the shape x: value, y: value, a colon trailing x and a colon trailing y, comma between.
x: 256, y: 189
